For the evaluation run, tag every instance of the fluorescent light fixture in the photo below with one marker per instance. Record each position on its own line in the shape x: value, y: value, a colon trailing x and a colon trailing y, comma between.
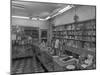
x: 21, y: 17
x: 38, y: 19
x: 47, y: 18
x: 63, y: 10
x: 56, y: 14
x: 66, y: 8
x: 29, y: 18
x: 18, y: 5
x: 34, y: 18
x: 42, y: 19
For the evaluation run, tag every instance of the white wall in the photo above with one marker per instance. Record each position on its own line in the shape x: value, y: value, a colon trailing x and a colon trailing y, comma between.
x: 84, y: 13
x: 31, y: 23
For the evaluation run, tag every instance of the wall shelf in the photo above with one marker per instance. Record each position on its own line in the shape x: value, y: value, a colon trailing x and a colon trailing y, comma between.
x: 80, y: 34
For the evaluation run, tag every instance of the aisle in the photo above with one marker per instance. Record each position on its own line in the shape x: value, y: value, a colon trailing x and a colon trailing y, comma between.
x: 21, y: 65
x: 27, y: 65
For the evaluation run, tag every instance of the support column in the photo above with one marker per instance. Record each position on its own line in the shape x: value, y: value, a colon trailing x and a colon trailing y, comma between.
x: 50, y: 29
x: 39, y: 35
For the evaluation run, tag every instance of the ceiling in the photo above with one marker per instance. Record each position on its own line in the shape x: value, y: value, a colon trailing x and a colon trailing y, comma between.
x: 35, y: 9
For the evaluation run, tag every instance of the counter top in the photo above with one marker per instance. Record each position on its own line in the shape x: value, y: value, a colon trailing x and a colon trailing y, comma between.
x: 57, y: 60
x: 80, y: 51
x: 60, y: 65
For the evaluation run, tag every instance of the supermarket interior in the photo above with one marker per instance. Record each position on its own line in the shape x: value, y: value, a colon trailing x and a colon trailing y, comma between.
x: 52, y: 37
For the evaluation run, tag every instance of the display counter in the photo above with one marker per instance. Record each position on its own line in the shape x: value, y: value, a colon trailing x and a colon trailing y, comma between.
x: 79, y: 51
x: 47, y: 60
x: 58, y: 63
x: 53, y: 63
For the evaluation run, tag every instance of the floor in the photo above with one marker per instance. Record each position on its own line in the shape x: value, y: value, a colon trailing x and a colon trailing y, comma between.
x: 27, y: 65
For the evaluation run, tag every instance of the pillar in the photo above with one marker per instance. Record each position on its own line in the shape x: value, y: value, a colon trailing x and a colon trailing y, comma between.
x: 50, y: 30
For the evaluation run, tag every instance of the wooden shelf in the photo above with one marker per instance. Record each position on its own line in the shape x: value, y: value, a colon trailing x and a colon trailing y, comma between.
x: 84, y: 31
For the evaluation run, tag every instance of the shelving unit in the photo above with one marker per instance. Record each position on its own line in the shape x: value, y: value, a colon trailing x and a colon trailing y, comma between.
x: 23, y: 33
x: 25, y: 37
x: 78, y: 35
x: 33, y: 32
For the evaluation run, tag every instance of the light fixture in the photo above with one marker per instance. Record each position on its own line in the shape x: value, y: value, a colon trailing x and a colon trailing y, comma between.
x: 55, y: 14
x: 18, y: 5
x: 63, y: 10
x: 20, y: 17
x: 76, y: 17
x: 47, y: 18
x: 42, y: 19
x: 66, y: 8
x: 31, y: 18
x: 34, y: 18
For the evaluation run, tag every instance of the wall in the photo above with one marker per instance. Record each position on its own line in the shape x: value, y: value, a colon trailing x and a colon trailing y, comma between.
x: 84, y: 13
x: 31, y: 23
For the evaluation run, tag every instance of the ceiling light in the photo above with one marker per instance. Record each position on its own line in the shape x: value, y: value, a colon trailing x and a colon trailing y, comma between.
x: 18, y: 5
x: 63, y: 10
x: 21, y: 17
x: 31, y: 18
x: 55, y: 14
x: 34, y: 18
x: 47, y: 18
x: 66, y: 8
x: 41, y: 19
